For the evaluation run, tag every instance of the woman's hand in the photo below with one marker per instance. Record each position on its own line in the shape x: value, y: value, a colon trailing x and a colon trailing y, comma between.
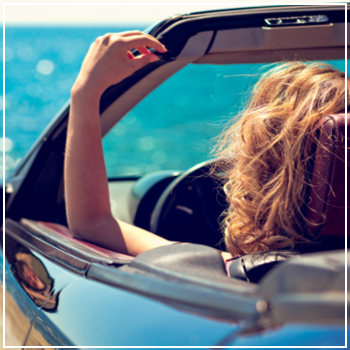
x: 109, y: 60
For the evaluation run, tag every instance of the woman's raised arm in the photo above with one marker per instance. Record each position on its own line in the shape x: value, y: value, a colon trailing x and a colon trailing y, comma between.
x: 107, y: 62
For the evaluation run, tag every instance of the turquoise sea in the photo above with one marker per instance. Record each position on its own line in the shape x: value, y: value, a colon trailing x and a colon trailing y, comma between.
x: 41, y: 65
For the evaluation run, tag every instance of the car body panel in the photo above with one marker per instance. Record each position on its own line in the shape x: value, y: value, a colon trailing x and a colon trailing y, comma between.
x: 19, y: 314
x: 117, y: 315
x: 120, y: 317
x: 293, y: 335
x: 114, y: 315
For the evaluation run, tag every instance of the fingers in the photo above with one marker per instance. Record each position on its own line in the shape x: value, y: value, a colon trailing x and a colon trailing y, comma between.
x: 132, y: 40
x: 143, y: 50
x: 135, y: 33
x: 140, y: 61
x: 136, y: 41
x: 131, y: 33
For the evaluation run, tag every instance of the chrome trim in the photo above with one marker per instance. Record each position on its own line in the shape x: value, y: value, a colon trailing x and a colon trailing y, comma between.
x: 62, y: 258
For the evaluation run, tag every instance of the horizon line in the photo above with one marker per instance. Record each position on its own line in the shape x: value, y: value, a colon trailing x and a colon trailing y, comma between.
x: 76, y: 24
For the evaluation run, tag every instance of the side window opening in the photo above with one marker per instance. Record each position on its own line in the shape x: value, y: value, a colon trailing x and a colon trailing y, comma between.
x: 175, y: 126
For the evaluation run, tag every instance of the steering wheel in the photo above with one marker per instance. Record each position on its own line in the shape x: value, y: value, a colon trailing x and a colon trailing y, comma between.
x: 190, y: 208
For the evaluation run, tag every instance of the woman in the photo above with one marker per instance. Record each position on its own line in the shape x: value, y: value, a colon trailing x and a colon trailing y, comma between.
x: 266, y: 179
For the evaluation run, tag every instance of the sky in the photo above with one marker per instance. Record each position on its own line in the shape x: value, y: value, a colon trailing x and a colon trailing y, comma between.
x: 88, y: 12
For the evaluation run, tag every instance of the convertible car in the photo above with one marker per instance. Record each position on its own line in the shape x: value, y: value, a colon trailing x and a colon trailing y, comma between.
x: 61, y: 291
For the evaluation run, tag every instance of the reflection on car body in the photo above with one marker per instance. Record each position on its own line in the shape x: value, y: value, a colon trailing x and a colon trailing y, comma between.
x: 32, y: 276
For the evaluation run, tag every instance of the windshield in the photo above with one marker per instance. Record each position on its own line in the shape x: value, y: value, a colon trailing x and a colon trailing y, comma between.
x: 176, y: 126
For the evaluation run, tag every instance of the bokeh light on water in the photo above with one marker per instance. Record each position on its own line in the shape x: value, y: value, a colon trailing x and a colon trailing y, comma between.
x: 45, y: 67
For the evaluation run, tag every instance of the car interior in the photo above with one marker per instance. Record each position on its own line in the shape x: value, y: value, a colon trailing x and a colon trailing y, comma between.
x: 186, y: 205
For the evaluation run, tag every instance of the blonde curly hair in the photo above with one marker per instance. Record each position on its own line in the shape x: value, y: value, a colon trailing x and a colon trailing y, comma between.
x: 265, y: 158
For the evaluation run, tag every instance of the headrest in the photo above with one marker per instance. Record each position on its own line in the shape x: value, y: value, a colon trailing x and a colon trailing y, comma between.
x: 326, y: 197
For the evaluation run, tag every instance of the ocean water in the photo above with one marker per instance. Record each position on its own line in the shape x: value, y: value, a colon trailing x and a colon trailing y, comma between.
x: 173, y: 128
x: 41, y: 65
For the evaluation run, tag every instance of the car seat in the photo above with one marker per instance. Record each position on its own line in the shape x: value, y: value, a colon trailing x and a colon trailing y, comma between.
x: 325, y: 199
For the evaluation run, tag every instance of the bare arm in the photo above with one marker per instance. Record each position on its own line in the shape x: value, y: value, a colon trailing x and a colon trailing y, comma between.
x: 108, y: 62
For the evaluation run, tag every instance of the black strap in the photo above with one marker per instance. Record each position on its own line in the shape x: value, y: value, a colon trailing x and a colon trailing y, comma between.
x: 253, y: 267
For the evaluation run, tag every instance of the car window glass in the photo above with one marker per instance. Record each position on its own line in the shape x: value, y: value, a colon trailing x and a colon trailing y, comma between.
x: 175, y: 126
